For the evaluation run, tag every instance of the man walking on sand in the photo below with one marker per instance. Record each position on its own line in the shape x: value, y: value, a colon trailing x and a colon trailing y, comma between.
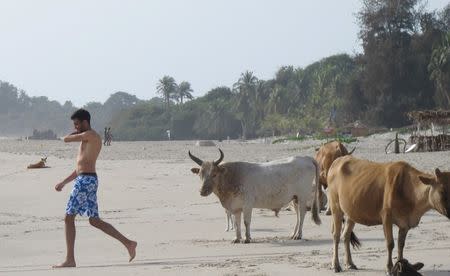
x: 83, y: 198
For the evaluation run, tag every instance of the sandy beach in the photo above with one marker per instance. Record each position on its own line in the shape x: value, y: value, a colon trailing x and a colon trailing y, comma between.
x: 147, y: 191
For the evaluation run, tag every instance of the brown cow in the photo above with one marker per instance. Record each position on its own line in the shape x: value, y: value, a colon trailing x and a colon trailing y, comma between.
x: 372, y: 193
x: 38, y: 165
x: 325, y: 156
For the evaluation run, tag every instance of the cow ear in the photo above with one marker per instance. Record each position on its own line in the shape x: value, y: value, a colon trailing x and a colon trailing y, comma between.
x: 427, y: 180
x: 195, y: 170
x: 417, y: 266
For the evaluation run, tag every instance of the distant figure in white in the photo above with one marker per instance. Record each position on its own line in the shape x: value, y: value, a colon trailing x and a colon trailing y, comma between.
x: 242, y: 186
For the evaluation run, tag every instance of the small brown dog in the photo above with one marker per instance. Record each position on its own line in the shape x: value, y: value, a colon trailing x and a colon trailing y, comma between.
x: 38, y: 165
x: 403, y: 268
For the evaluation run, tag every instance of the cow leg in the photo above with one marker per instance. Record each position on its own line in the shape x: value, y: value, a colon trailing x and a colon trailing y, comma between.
x: 237, y: 226
x: 247, y: 220
x: 301, y: 211
x: 349, y: 225
x: 230, y: 222
x: 328, y: 211
x: 402, y: 232
x: 387, y: 227
x: 336, y: 231
x: 297, y: 213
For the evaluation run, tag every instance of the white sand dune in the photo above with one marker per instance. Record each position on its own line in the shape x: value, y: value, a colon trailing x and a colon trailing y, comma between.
x: 148, y: 192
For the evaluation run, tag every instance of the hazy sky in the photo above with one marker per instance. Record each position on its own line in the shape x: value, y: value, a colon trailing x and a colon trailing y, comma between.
x: 86, y: 50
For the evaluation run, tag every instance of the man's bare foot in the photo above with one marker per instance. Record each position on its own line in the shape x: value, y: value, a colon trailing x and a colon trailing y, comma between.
x: 65, y: 264
x: 132, y: 249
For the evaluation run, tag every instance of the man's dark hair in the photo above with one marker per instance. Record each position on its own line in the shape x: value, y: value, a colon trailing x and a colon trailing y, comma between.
x: 81, y: 114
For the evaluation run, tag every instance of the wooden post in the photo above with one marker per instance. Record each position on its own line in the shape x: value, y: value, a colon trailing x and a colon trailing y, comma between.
x: 396, y: 144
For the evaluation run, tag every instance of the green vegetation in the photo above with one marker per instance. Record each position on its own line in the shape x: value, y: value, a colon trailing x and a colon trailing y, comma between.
x: 404, y: 66
x: 291, y: 138
x: 347, y: 140
x: 337, y: 137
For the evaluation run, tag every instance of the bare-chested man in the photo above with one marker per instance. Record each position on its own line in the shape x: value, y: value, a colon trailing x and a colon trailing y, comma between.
x: 83, y: 198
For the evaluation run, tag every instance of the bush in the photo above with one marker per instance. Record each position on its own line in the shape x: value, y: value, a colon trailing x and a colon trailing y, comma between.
x: 43, y: 135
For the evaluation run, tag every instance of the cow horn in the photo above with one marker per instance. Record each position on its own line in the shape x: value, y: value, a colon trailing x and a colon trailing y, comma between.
x: 195, y: 159
x: 220, y: 159
x: 352, y: 151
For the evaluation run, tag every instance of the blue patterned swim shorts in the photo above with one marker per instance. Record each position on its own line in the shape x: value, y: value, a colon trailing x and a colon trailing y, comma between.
x: 83, y: 198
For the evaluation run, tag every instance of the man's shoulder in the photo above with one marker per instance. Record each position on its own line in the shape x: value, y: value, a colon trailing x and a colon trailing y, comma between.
x: 92, y: 133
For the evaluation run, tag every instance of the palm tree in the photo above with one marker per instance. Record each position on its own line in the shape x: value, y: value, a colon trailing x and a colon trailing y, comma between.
x: 439, y: 71
x: 263, y: 89
x: 184, y: 91
x: 245, y: 89
x: 167, y: 87
x: 218, y: 113
x: 277, y: 100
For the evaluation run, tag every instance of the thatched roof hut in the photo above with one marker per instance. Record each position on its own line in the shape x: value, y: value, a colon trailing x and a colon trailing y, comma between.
x: 441, y: 117
x: 357, y: 129
x: 435, y: 142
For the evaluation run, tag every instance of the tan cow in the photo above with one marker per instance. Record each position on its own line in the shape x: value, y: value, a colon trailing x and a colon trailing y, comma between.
x: 372, y: 193
x: 38, y: 165
x: 325, y: 156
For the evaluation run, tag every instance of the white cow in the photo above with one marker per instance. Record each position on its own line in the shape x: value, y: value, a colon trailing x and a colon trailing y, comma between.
x: 242, y: 186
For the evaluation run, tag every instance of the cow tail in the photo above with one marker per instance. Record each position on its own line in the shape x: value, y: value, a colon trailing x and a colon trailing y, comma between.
x: 354, y: 241
x: 356, y: 244
x: 316, y: 201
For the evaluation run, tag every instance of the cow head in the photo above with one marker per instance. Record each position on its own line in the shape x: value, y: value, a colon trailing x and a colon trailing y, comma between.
x: 440, y: 191
x: 209, y: 173
x: 44, y: 160
x: 404, y: 268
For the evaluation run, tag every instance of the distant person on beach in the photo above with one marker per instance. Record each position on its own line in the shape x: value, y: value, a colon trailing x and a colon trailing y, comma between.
x: 108, y: 143
x: 105, y: 136
x: 83, y: 198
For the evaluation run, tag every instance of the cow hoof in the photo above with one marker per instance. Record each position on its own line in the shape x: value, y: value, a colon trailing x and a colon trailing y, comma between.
x: 328, y: 213
x: 352, y: 267
x: 337, y: 268
x: 247, y: 240
x: 297, y: 238
x: 236, y: 241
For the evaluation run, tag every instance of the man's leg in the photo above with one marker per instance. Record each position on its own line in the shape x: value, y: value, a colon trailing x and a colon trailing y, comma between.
x: 69, y: 221
x: 110, y: 230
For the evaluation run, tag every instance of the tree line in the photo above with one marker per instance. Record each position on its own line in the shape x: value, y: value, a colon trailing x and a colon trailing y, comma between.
x: 22, y: 115
x: 404, y: 66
